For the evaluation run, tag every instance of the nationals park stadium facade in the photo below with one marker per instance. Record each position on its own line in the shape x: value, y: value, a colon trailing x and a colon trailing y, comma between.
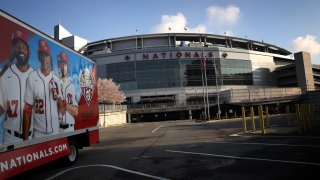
x: 161, y: 75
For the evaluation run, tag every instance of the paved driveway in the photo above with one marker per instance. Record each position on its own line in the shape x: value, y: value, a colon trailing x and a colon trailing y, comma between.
x: 192, y: 150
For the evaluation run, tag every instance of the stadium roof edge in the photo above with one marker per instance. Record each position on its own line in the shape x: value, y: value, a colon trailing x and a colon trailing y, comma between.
x: 232, y: 38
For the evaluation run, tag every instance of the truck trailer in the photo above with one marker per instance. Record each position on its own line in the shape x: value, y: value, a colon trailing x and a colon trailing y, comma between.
x: 48, y: 99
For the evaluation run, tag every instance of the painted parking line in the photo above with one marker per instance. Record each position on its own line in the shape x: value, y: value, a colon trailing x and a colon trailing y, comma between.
x: 108, y: 166
x: 244, y: 158
x: 269, y: 136
x: 154, y: 131
x: 264, y: 144
x: 236, y: 134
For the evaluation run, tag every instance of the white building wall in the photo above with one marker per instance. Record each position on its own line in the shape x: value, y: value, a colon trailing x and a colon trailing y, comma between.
x: 113, y: 59
x: 112, y: 118
x: 61, y: 32
x: 74, y: 42
x: 79, y: 43
x: 235, y: 53
x: 262, y: 66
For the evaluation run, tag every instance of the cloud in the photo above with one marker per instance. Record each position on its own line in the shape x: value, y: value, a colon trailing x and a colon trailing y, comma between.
x: 308, y: 43
x: 218, y: 16
x: 177, y: 23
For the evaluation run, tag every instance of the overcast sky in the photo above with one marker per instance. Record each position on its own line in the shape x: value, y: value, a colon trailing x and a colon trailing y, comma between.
x: 290, y: 24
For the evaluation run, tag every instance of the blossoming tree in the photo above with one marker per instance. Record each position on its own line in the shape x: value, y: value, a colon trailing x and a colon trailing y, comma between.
x: 109, y: 92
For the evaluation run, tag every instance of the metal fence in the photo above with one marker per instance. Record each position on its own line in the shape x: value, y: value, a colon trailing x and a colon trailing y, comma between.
x: 253, y: 95
x: 112, y: 107
x: 259, y: 94
x: 166, y: 105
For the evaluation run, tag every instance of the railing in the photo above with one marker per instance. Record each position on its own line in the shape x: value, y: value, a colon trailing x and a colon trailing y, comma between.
x: 152, y: 105
x: 188, y: 104
x: 230, y: 96
x: 111, y: 107
x: 259, y: 94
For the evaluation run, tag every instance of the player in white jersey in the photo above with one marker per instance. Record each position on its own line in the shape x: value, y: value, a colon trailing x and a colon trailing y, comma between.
x: 43, y: 98
x: 12, y: 88
x: 67, y: 120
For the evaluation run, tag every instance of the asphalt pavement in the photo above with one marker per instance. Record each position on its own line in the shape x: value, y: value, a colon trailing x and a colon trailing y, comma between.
x: 187, y: 149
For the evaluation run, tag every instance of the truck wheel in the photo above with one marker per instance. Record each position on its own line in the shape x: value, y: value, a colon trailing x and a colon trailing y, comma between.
x: 73, y: 156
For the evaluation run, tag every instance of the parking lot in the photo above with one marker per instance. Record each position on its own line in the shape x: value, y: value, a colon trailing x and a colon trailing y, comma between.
x: 188, y: 149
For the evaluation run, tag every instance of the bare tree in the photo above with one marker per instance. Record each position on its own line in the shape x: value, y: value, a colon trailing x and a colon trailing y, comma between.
x: 109, y: 92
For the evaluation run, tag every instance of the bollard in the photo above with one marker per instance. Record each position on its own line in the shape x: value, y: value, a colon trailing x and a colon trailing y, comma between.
x: 298, y: 115
x: 244, y: 123
x: 252, y: 119
x: 288, y: 115
x: 306, y: 115
x: 267, y: 116
x: 259, y: 113
x: 303, y: 117
x: 226, y: 115
x: 308, y: 107
x: 261, y: 120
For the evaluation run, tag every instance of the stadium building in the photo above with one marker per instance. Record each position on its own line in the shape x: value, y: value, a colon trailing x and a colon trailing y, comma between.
x: 163, y: 75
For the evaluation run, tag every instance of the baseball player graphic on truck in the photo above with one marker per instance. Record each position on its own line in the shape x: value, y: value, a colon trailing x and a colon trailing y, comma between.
x: 43, y: 98
x: 67, y: 120
x: 12, y: 87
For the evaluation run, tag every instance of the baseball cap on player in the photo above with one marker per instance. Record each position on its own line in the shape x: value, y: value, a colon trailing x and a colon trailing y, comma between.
x: 63, y: 57
x: 43, y: 46
x: 21, y: 36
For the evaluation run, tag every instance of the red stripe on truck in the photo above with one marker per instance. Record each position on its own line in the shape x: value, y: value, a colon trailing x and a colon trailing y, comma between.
x: 21, y: 160
x: 94, y: 136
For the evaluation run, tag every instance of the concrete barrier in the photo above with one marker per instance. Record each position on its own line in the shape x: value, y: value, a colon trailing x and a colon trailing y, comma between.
x: 112, y: 118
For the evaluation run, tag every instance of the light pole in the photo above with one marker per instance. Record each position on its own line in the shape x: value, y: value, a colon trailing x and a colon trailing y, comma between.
x: 206, y: 81
x: 218, y: 98
x: 203, y: 66
x: 204, y: 96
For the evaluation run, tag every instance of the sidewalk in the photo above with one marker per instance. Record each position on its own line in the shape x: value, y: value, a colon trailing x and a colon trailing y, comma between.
x: 288, y: 131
